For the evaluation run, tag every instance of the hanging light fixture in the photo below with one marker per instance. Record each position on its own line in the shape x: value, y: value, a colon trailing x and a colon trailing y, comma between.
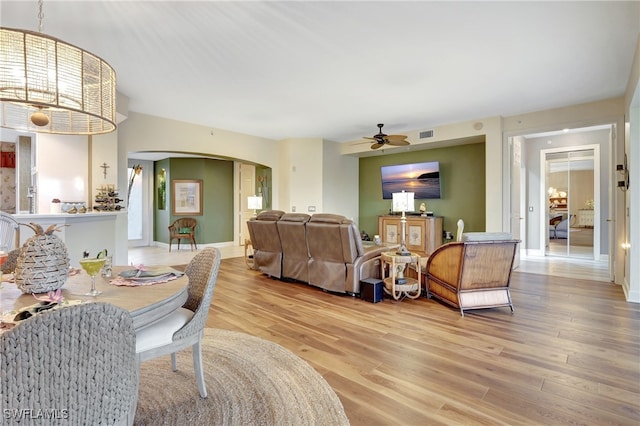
x: 49, y: 86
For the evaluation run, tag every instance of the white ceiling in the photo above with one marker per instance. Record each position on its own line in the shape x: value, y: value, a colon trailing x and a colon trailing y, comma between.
x: 335, y: 69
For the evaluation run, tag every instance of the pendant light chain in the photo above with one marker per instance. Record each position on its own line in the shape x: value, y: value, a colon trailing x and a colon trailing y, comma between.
x: 40, y: 16
x: 56, y: 88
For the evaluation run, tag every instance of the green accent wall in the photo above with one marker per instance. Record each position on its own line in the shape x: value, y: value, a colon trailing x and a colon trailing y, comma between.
x: 216, y: 223
x: 462, y: 186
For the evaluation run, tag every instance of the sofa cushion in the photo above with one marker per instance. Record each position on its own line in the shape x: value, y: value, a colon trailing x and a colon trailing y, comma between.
x: 269, y: 215
x: 295, y: 217
x: 295, y: 254
x: 328, y: 218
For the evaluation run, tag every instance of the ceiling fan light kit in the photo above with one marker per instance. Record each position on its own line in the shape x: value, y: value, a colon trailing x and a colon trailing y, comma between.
x: 381, y: 139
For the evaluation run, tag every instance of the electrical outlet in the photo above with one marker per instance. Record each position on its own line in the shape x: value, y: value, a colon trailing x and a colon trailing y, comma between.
x: 293, y: 209
x: 312, y: 208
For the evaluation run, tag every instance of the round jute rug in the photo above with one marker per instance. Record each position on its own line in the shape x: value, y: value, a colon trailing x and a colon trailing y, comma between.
x: 250, y: 381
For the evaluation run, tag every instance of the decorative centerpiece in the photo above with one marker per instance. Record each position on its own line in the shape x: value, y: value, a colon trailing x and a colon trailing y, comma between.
x: 43, y: 262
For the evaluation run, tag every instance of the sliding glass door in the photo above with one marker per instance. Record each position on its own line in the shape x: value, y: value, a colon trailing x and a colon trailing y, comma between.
x: 571, y: 190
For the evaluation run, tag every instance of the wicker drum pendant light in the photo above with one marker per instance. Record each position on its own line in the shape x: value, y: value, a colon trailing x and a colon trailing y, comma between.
x: 49, y: 86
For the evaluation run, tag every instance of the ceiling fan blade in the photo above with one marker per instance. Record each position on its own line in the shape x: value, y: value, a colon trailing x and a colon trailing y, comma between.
x: 398, y: 143
x: 377, y: 145
x: 396, y: 137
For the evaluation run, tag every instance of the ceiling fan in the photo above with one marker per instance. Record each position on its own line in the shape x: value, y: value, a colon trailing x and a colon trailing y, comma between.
x: 382, y: 139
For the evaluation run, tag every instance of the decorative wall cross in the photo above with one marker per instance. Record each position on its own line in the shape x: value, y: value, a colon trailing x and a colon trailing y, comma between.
x: 104, y: 167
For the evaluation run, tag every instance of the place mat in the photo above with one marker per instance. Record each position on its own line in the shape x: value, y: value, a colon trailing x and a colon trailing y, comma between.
x: 10, y: 319
x: 137, y: 277
x: 150, y: 273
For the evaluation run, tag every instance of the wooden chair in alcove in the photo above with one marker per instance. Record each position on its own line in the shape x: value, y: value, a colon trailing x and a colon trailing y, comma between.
x: 183, y: 228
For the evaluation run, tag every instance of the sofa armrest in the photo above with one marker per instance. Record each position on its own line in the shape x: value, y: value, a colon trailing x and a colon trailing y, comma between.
x: 443, y: 265
x: 366, y: 266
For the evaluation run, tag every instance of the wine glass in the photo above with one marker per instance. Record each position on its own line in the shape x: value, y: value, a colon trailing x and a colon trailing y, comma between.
x: 92, y: 267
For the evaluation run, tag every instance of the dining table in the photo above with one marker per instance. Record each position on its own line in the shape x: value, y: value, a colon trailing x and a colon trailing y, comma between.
x: 146, y: 301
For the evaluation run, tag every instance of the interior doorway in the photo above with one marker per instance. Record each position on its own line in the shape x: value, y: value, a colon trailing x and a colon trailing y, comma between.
x: 246, y: 188
x: 533, y: 195
x: 139, y: 201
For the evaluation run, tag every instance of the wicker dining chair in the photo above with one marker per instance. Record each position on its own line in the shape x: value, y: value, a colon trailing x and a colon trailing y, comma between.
x: 183, y: 229
x: 73, y: 365
x: 184, y: 327
x: 9, y: 232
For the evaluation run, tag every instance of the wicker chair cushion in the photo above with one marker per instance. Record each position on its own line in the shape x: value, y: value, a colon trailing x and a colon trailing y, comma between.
x: 160, y: 333
x: 185, y: 329
x: 486, y: 236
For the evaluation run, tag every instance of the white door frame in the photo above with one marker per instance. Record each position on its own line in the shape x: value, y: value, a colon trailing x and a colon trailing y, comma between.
x: 245, y: 176
x: 147, y: 201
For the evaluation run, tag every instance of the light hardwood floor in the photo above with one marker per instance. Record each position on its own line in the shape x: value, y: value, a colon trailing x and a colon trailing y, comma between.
x: 570, y: 354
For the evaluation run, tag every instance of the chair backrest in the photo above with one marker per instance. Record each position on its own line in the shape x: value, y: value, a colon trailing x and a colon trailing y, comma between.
x: 460, y: 230
x: 203, y: 273
x: 9, y: 232
x: 77, y: 363
x: 183, y: 222
x: 487, y: 264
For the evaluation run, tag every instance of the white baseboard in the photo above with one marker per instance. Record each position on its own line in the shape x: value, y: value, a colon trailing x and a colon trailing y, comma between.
x: 218, y: 245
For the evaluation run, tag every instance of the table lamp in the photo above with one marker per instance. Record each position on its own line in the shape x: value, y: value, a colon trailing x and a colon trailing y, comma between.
x: 254, y: 202
x: 403, y: 202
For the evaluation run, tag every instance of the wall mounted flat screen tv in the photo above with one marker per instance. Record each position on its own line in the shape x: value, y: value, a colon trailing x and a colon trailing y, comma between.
x: 421, y: 178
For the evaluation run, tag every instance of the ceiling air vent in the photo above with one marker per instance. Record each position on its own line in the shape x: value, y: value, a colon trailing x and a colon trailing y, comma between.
x: 426, y: 134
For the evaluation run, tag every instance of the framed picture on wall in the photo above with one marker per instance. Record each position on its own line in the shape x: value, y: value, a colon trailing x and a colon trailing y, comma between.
x: 186, y: 197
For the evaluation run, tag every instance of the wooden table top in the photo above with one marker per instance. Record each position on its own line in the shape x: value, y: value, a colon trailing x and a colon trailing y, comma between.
x: 146, y: 303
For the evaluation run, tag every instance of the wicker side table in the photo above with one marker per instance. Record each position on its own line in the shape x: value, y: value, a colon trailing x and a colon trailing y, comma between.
x: 396, y: 284
x: 248, y: 254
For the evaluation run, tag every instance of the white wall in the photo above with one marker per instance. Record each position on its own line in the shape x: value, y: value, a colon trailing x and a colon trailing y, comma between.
x: 302, y: 169
x: 146, y: 133
x: 340, y: 178
x: 104, y: 151
x: 62, y: 169
x: 631, y: 282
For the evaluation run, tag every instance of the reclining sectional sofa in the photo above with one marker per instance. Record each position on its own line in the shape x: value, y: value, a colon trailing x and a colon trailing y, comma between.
x: 324, y: 250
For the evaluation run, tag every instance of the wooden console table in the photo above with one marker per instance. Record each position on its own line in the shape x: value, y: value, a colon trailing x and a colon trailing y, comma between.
x: 423, y: 233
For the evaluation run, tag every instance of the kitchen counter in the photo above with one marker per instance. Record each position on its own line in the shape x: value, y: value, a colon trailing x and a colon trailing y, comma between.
x: 92, y: 232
